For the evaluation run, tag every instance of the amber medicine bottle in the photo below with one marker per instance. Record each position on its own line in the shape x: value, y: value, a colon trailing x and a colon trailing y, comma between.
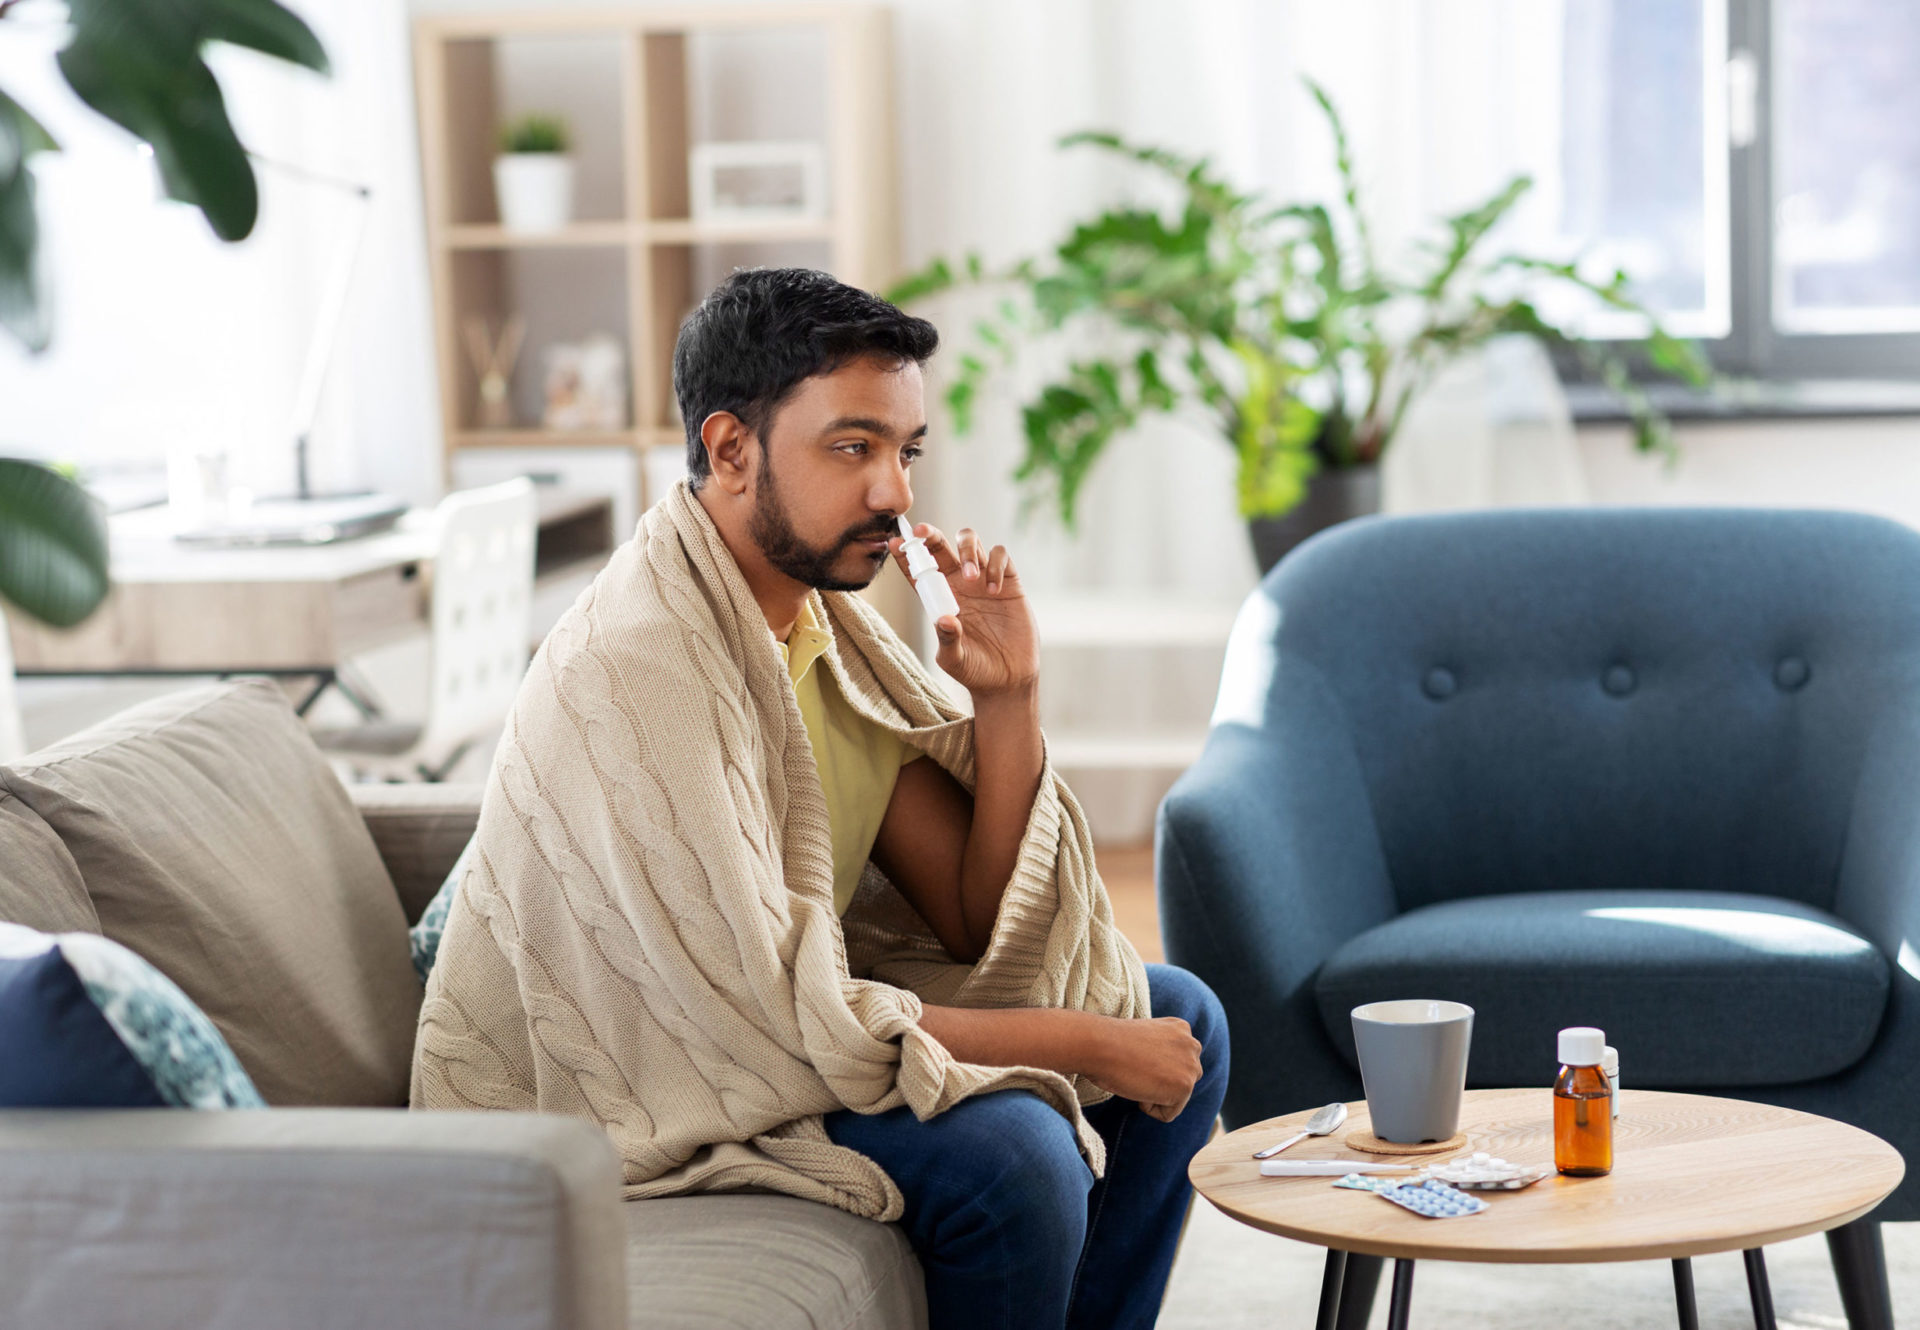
x: 1582, y: 1106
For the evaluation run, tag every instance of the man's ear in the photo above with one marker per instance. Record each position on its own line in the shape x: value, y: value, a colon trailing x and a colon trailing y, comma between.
x: 729, y: 446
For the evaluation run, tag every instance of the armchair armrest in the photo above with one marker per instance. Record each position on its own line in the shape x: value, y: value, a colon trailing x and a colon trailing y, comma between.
x: 1878, y: 892
x: 309, y: 1219
x: 1879, y: 882
x: 419, y: 831
x: 1267, y: 859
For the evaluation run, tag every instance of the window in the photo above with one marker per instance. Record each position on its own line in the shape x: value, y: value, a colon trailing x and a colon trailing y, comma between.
x: 1846, y: 164
x: 1755, y: 166
x: 1642, y: 186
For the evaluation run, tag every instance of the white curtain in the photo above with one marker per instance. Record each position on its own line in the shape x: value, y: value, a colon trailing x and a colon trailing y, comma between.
x: 1443, y: 100
x: 166, y: 338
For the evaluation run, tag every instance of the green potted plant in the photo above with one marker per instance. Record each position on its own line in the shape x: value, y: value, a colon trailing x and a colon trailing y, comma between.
x: 1273, y: 320
x: 140, y: 65
x: 533, y: 175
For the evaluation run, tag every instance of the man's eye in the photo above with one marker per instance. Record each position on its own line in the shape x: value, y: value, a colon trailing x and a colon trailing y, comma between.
x: 855, y: 446
x: 910, y: 455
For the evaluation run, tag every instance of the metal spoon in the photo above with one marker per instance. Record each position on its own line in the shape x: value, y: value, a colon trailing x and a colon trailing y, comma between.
x: 1324, y: 1123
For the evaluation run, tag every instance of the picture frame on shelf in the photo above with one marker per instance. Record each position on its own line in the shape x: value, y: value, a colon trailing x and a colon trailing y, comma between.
x: 748, y: 182
x: 586, y: 385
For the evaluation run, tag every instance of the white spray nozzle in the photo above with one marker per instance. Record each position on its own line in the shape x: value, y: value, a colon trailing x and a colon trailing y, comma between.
x: 924, y: 571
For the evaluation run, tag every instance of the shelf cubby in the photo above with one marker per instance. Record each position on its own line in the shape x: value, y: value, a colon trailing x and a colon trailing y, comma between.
x: 639, y: 87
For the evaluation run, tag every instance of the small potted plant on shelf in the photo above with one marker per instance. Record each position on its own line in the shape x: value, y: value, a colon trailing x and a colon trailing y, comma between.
x: 1276, y: 324
x: 533, y: 175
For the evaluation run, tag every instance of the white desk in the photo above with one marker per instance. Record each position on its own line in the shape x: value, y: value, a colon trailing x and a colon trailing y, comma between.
x: 303, y: 610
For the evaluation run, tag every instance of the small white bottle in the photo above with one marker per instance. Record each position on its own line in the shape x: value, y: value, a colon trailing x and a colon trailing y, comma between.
x: 926, y: 576
x: 1610, y: 1063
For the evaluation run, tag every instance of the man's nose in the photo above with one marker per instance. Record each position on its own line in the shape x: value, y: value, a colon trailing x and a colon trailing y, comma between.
x: 892, y: 492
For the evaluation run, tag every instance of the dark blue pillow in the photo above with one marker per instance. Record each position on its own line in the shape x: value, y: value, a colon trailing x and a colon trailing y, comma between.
x: 85, y: 1023
x: 56, y: 1049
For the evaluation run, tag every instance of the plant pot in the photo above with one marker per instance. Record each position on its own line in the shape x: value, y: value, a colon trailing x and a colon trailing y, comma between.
x: 534, y: 189
x: 1332, y: 497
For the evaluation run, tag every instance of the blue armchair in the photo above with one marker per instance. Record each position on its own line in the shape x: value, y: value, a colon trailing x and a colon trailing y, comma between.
x: 1652, y: 770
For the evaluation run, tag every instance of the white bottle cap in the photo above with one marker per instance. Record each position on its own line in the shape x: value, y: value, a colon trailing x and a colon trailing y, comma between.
x: 1582, y: 1046
x: 919, y: 558
x: 1610, y: 1062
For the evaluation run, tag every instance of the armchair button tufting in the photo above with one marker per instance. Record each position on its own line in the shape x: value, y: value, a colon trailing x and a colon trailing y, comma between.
x: 1439, y: 683
x: 1618, y: 680
x: 1791, y: 673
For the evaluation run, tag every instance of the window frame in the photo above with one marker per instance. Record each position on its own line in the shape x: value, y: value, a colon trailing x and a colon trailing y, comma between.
x: 1754, y: 348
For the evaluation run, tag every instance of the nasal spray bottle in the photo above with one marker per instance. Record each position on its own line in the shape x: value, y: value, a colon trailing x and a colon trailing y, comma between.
x: 926, y: 576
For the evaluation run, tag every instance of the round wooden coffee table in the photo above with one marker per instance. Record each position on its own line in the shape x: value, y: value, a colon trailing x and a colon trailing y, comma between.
x: 1691, y: 1175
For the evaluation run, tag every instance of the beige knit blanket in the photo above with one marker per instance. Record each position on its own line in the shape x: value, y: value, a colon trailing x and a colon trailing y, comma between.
x: 645, y: 935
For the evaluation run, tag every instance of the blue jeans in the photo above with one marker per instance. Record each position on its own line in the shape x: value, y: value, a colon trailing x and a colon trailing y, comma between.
x: 1010, y: 1225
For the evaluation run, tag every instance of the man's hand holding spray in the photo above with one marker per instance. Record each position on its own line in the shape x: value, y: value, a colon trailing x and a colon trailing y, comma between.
x: 995, y: 655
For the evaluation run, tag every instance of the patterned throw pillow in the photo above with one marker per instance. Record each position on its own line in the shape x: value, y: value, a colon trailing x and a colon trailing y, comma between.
x: 425, y: 935
x: 85, y: 1023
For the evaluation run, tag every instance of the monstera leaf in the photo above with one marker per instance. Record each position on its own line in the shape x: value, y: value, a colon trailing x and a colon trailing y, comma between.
x: 53, y: 544
x: 140, y: 64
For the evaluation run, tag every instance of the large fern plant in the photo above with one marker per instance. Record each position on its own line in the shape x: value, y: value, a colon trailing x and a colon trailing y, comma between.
x: 139, y: 63
x: 1275, y: 320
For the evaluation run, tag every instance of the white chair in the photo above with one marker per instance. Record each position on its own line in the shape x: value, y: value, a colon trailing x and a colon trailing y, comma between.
x: 482, y: 593
x: 13, y: 743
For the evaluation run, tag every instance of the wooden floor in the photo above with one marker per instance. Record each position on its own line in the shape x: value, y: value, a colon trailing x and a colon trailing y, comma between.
x: 1128, y: 873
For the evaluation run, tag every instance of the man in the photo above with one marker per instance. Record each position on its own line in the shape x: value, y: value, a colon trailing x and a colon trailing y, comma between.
x: 670, y: 925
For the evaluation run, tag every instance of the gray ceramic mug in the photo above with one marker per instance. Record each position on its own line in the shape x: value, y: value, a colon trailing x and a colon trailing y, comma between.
x: 1413, y: 1062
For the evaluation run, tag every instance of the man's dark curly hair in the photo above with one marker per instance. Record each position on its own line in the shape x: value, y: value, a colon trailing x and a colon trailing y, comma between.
x: 763, y: 330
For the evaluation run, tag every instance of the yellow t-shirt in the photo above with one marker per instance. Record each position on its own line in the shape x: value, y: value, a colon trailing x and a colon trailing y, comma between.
x: 858, y: 760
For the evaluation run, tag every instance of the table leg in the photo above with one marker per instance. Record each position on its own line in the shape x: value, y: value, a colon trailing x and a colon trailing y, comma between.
x: 1860, y: 1264
x: 1402, y: 1295
x: 1357, y: 1290
x: 1758, y: 1289
x: 1330, y: 1283
x: 1683, y: 1294
x: 322, y: 680
x: 350, y: 684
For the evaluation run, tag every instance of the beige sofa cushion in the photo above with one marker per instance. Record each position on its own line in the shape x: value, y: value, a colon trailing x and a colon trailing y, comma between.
x: 40, y: 884
x: 769, y: 1262
x: 215, y: 841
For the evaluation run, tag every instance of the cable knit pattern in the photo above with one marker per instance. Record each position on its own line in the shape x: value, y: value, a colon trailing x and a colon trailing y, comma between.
x: 645, y: 933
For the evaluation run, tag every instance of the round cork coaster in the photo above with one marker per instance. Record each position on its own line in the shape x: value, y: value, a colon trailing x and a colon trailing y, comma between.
x: 1362, y: 1139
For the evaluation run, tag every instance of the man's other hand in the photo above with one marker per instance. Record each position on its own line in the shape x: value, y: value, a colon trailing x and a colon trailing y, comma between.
x: 1155, y: 1063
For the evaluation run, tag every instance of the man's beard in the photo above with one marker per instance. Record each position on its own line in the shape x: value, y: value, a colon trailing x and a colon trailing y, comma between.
x: 772, y: 530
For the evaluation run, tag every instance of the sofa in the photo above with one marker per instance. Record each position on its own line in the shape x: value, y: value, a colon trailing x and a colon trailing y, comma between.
x: 1652, y: 770
x: 205, y: 831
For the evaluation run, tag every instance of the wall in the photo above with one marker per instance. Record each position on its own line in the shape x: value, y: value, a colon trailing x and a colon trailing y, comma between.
x: 1872, y: 465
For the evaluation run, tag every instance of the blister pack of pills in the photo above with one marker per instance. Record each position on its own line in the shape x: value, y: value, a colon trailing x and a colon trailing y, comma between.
x: 1433, y: 1200
x: 1483, y: 1172
x: 1376, y: 1182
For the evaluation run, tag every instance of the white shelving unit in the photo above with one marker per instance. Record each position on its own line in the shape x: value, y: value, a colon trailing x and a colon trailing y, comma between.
x: 635, y: 248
